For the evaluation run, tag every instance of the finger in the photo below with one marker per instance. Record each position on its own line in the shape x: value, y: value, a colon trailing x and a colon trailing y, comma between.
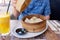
x: 14, y: 1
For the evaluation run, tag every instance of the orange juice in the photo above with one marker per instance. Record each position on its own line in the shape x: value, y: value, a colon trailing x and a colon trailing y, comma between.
x: 4, y: 24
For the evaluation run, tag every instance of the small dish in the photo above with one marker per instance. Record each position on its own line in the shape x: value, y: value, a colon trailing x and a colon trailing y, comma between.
x: 28, y: 34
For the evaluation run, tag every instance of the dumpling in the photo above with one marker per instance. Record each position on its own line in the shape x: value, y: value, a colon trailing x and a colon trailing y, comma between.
x: 33, y: 20
x: 38, y: 20
x: 27, y: 20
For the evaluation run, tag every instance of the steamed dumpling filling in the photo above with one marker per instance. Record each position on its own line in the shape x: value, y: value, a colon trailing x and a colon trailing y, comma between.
x: 33, y: 20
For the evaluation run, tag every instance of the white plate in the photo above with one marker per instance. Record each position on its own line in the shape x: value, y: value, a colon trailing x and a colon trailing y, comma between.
x: 28, y: 35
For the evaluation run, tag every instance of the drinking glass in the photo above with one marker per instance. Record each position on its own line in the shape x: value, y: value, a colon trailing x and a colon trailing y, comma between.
x: 4, y: 21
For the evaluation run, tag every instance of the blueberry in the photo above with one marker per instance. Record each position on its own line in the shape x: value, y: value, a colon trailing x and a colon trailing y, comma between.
x: 21, y: 31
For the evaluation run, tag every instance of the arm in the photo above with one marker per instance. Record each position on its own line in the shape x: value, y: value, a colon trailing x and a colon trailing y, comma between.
x: 47, y: 11
x: 15, y: 12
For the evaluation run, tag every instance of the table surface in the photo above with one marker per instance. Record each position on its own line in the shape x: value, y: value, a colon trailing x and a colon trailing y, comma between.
x: 52, y: 33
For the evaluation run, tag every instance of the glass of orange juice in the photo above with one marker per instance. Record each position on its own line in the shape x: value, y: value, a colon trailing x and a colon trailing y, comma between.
x: 4, y: 24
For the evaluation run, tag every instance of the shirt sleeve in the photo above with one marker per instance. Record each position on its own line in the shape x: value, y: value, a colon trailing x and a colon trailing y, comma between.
x: 47, y: 10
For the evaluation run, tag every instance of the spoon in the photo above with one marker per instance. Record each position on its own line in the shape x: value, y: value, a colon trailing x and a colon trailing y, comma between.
x: 21, y: 31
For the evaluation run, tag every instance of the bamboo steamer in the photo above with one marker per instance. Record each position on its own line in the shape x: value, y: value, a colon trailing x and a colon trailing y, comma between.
x: 34, y: 27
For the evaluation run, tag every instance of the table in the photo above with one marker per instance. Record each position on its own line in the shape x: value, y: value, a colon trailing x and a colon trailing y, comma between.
x: 52, y: 33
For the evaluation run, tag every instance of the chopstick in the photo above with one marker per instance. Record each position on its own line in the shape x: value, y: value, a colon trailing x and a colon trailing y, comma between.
x: 51, y: 26
x: 54, y: 25
x: 57, y: 25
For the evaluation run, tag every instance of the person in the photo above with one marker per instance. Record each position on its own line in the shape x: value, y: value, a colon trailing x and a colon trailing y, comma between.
x: 41, y: 7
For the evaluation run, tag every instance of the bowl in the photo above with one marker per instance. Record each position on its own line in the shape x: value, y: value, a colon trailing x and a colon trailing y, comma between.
x: 34, y: 27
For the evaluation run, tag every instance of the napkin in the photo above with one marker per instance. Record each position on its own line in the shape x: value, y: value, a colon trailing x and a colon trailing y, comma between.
x: 22, y: 4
